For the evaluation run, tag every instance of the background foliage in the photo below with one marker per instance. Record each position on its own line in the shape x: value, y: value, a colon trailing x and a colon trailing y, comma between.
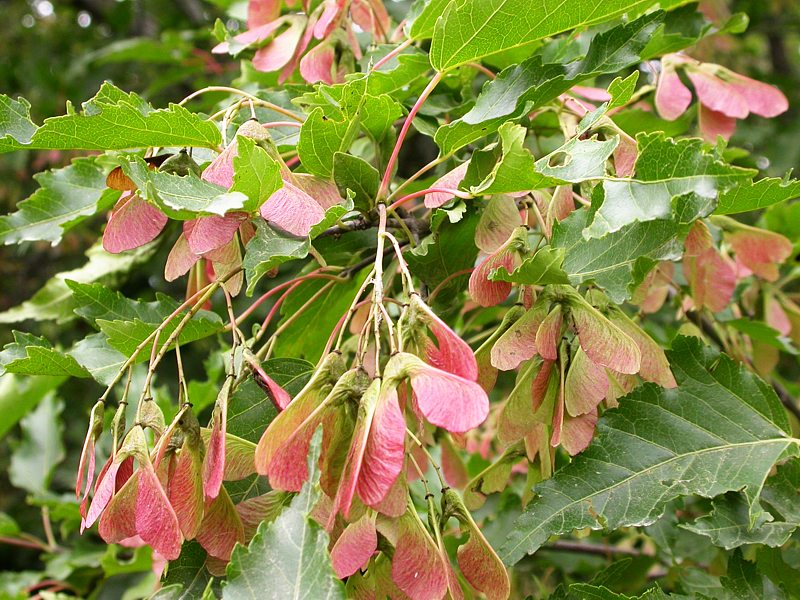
x: 62, y: 51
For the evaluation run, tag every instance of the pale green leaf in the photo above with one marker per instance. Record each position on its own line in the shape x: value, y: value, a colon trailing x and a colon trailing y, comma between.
x: 16, y: 127
x: 54, y: 300
x: 65, y: 197
x: 256, y: 174
x: 41, y: 448
x: 182, y: 197
x: 543, y: 268
x: 614, y: 260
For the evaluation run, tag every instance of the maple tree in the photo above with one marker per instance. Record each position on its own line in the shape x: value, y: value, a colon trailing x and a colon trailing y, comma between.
x: 563, y: 329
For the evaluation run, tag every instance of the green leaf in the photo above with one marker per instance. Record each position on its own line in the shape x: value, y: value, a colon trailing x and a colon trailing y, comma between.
x: 114, y: 120
x: 744, y: 582
x: 770, y: 562
x: 578, y: 160
x: 187, y: 577
x: 256, y: 174
x: 450, y: 249
x: 250, y: 409
x: 126, y: 336
x: 358, y: 176
x: 351, y: 104
x: 96, y: 355
x: 722, y: 429
x: 289, y: 557
x: 126, y: 323
x: 18, y: 396
x: 422, y: 19
x: 534, y: 82
x: 41, y: 448
x: 321, y: 137
x: 614, y: 260
x: 306, y: 337
x: 65, y: 198
x: 755, y: 195
x: 782, y: 489
x: 761, y: 332
x: 54, y: 300
x: 470, y: 30
x: 728, y: 525
x: 269, y: 248
x: 586, y: 591
x: 543, y: 268
x: 665, y: 169
x: 31, y: 355
x: 181, y: 197
x: 505, y: 167
x: 16, y: 127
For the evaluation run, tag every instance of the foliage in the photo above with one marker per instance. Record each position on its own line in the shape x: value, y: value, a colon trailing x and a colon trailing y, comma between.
x: 478, y: 298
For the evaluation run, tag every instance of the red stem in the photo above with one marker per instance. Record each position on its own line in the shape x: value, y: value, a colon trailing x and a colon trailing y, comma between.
x: 417, y: 194
x: 391, y: 55
x: 387, y: 176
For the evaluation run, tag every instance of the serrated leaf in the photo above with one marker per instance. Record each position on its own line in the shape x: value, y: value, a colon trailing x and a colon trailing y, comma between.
x: 756, y: 195
x: 614, y: 260
x: 54, y: 300
x: 126, y: 335
x: 744, y: 582
x: 534, y: 82
x: 31, y: 355
x: 65, y: 197
x: 114, y: 120
x: 470, y: 30
x: 507, y: 167
x: 181, y: 197
x: 665, y: 169
x: 268, y: 249
x: 289, y: 557
x: 578, y: 160
x: 721, y: 429
x: 41, y: 448
x: 728, y: 525
x: 543, y: 268
x: 358, y: 176
x: 256, y: 174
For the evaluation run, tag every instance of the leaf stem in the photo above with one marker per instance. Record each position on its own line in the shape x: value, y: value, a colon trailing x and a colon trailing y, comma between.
x: 387, y: 175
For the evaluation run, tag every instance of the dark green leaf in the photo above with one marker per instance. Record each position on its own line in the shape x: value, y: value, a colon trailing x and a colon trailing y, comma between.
x: 360, y: 177
x: 721, y: 429
x: 321, y: 137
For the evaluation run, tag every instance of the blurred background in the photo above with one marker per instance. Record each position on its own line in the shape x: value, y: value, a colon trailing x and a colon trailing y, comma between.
x: 56, y: 52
